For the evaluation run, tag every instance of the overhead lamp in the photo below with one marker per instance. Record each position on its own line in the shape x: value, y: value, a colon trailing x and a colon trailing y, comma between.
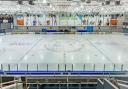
x: 81, y: 6
x: 44, y: 1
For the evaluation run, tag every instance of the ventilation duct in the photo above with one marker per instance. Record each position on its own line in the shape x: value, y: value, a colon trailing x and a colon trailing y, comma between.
x: 103, y: 4
x: 31, y: 2
x: 117, y: 2
x: 107, y: 2
x: 82, y: 0
x: 20, y: 2
x: 88, y: 1
x: 48, y: 4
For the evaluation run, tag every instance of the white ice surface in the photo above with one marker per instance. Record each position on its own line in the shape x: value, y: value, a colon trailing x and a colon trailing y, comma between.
x: 74, y: 49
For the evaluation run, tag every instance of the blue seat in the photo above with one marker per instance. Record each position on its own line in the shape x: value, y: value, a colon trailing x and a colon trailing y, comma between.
x: 47, y: 30
x: 82, y: 30
x: 89, y: 28
x: 1, y: 72
x: 44, y: 30
x: 52, y: 30
x: 2, y: 30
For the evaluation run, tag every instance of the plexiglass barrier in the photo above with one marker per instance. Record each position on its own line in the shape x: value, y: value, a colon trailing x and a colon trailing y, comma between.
x: 64, y: 67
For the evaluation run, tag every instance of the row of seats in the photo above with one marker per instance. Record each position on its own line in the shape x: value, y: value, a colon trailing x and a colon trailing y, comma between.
x: 87, y: 29
x: 62, y: 72
x: 2, y: 30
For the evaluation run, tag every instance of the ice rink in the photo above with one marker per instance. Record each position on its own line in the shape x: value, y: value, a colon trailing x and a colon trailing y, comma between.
x: 77, y: 49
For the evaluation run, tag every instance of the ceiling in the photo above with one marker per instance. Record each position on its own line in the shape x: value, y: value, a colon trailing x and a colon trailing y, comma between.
x: 71, y: 6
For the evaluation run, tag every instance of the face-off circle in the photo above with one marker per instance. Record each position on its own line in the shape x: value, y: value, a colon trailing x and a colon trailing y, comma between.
x: 64, y: 45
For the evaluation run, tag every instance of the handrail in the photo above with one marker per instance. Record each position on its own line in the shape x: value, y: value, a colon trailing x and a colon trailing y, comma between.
x: 123, y: 85
x: 28, y: 87
x: 100, y: 81
x: 122, y: 81
x: 115, y: 82
x: 12, y: 85
x: 10, y: 82
x: 65, y: 83
x: 115, y: 87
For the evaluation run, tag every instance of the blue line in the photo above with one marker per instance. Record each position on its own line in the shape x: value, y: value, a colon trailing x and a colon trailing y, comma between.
x: 100, y: 51
x: 29, y: 50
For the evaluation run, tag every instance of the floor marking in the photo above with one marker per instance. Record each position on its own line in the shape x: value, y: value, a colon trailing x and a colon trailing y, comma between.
x: 27, y: 52
x: 100, y: 51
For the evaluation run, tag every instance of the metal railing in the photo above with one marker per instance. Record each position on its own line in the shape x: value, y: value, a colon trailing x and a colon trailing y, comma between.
x: 13, y: 83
